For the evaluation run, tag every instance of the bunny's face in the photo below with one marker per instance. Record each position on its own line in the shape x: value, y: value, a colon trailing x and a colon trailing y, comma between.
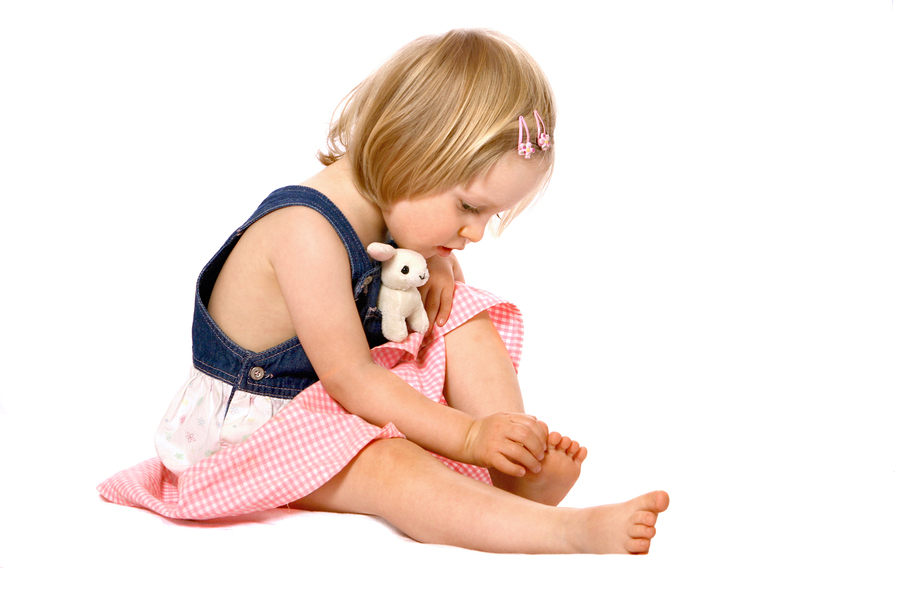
x: 406, y: 270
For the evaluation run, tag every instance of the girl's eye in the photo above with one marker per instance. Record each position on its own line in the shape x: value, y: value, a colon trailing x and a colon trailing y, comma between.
x: 469, y: 208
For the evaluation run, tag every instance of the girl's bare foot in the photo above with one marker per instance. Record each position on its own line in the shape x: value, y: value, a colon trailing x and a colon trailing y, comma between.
x: 560, y: 470
x: 625, y: 528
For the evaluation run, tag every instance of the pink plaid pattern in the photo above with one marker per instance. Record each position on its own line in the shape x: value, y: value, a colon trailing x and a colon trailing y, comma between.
x: 312, y: 438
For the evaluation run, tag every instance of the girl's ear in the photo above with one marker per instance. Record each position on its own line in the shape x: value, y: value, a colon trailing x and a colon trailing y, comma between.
x: 381, y: 252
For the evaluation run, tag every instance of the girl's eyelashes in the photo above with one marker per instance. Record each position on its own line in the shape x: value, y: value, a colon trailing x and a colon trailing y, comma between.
x: 466, y: 207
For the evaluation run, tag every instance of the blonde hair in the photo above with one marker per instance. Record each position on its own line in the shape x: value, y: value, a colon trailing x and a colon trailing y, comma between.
x: 443, y: 110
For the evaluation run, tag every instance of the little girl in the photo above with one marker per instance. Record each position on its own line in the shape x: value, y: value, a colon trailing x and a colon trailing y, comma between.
x: 295, y: 398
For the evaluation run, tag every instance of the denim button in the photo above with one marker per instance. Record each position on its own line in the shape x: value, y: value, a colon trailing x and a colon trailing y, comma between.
x: 257, y: 373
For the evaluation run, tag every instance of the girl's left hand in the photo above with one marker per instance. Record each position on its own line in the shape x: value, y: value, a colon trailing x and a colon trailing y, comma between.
x: 437, y: 294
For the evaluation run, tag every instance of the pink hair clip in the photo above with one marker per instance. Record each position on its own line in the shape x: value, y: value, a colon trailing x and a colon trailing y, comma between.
x: 543, y: 138
x: 525, y: 149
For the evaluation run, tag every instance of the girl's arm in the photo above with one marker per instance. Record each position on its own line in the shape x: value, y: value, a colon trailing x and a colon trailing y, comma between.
x: 311, y: 267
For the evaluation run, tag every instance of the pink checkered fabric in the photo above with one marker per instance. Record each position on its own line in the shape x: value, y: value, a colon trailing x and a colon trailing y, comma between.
x: 312, y: 438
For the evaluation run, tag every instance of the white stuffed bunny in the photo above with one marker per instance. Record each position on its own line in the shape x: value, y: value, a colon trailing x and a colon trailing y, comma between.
x: 402, y: 271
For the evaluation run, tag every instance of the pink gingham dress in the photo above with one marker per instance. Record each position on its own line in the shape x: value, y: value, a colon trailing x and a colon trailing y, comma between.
x: 311, y: 438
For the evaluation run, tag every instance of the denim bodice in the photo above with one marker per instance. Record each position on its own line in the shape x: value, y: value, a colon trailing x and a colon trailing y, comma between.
x: 284, y: 370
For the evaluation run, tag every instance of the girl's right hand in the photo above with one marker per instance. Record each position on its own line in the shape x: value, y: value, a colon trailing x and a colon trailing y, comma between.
x: 508, y: 442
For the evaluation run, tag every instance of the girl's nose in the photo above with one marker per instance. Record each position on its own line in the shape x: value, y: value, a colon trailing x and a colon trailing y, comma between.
x: 472, y: 232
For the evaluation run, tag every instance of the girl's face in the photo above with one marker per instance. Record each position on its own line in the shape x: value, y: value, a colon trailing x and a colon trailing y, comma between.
x: 448, y: 221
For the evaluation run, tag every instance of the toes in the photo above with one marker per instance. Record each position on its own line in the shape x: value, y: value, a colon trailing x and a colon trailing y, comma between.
x: 572, y: 449
x: 644, y: 518
x: 662, y: 501
x: 641, y: 532
x: 638, y: 546
x: 655, y: 502
x: 577, y: 452
x: 580, y: 455
x: 554, y: 438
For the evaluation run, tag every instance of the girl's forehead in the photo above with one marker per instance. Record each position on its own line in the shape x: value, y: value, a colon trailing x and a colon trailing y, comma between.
x: 511, y: 180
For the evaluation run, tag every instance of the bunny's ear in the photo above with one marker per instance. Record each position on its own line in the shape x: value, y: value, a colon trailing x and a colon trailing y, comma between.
x: 380, y: 251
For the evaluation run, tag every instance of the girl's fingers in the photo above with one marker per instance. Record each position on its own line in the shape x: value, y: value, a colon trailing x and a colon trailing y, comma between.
x: 533, y: 436
x: 519, y: 454
x: 504, y: 465
x: 446, y: 304
x: 529, y: 441
x: 432, y: 304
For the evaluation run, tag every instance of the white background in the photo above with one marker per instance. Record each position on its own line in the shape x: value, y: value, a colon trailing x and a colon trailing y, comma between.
x: 710, y: 285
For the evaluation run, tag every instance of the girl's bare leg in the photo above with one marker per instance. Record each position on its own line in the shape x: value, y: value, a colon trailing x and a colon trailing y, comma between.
x: 481, y: 381
x: 402, y: 483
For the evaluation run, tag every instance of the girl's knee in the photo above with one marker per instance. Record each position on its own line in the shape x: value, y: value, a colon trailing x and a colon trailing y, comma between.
x: 375, y: 467
x: 391, y: 452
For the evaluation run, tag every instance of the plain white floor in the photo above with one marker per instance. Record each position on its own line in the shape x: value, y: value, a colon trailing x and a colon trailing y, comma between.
x: 710, y: 285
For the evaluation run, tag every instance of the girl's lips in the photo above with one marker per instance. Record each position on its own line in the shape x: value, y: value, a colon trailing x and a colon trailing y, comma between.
x: 444, y: 251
